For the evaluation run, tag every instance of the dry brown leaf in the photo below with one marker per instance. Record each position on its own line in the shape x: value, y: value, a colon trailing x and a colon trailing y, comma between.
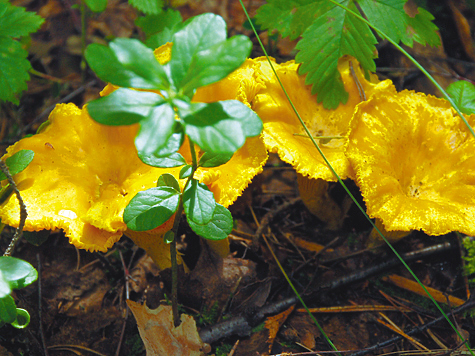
x: 274, y: 323
x: 159, y: 335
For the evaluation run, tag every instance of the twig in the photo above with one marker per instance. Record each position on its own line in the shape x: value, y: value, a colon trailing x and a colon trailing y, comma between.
x: 470, y: 304
x: 50, y: 108
x: 42, y: 335
x: 23, y: 212
x: 241, y: 325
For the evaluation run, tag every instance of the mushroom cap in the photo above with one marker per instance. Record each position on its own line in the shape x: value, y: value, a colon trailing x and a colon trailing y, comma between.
x: 81, y: 179
x: 281, y: 124
x: 414, y: 163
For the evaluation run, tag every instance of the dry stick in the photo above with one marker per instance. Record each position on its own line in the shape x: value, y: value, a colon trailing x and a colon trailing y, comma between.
x: 50, y: 108
x: 268, y: 217
x: 42, y: 335
x: 23, y: 212
x: 470, y: 304
x: 241, y: 325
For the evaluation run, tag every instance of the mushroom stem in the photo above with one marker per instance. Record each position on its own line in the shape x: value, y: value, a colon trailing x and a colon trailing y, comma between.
x: 314, y: 194
x: 375, y: 240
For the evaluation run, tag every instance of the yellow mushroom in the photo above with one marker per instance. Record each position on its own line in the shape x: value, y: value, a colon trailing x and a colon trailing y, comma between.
x: 84, y: 174
x: 414, y: 163
x: 283, y: 133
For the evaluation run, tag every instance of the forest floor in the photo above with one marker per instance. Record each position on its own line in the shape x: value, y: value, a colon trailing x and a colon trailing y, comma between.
x: 82, y: 295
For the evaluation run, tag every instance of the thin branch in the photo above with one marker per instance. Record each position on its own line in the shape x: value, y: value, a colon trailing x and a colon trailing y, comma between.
x: 23, y: 212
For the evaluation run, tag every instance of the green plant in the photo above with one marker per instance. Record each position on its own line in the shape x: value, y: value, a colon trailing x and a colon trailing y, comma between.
x: 14, y: 274
x: 201, y: 56
x: 340, y: 33
x: 15, y: 23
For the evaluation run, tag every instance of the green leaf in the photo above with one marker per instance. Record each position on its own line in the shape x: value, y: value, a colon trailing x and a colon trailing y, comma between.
x: 463, y: 93
x: 124, y: 107
x: 22, y: 319
x: 148, y: 6
x: 185, y: 172
x: 127, y: 63
x: 16, y: 22
x: 14, y: 69
x: 329, y: 32
x: 4, y: 286
x: 151, y: 208
x: 339, y: 33
x: 170, y: 161
x: 96, y: 5
x: 16, y: 272
x: 153, y: 24
x: 290, y: 18
x: 215, y: 63
x: 210, y: 160
x: 389, y: 16
x: 198, y: 203
x: 422, y: 29
x: 218, y: 228
x: 36, y: 238
x: 5, y: 193
x: 220, y: 127
x: 168, y: 180
x: 155, y: 130
x: 7, y: 309
x: 198, y: 34
x: 18, y: 162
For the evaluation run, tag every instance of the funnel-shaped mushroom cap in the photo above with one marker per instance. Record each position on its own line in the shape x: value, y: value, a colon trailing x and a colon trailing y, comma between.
x: 414, y: 162
x: 281, y: 124
x: 81, y: 179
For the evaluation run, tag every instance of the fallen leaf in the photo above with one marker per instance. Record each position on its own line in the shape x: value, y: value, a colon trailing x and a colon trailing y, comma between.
x: 159, y: 335
x: 274, y: 323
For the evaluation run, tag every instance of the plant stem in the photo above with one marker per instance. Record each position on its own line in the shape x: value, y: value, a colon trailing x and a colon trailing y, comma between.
x: 176, y: 224
x: 173, y: 252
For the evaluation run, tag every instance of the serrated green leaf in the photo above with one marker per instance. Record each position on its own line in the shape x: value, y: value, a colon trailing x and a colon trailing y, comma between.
x: 16, y: 22
x: 198, y: 34
x: 185, y: 172
x: 155, y: 130
x: 13, y: 69
x: 16, y: 272
x: 220, y: 127
x: 463, y: 93
x: 389, y: 16
x: 290, y: 18
x: 151, y: 208
x: 7, y: 309
x: 198, y: 202
x: 422, y: 29
x: 127, y: 63
x: 18, y: 162
x: 96, y: 5
x: 215, y: 63
x: 22, y: 319
x: 151, y: 7
x: 210, y: 160
x: 153, y: 24
x: 124, y: 107
x: 170, y: 161
x: 168, y: 180
x: 338, y: 33
x: 218, y: 228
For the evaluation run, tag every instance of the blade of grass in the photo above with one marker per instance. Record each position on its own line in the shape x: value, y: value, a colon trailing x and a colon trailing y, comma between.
x: 336, y: 174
